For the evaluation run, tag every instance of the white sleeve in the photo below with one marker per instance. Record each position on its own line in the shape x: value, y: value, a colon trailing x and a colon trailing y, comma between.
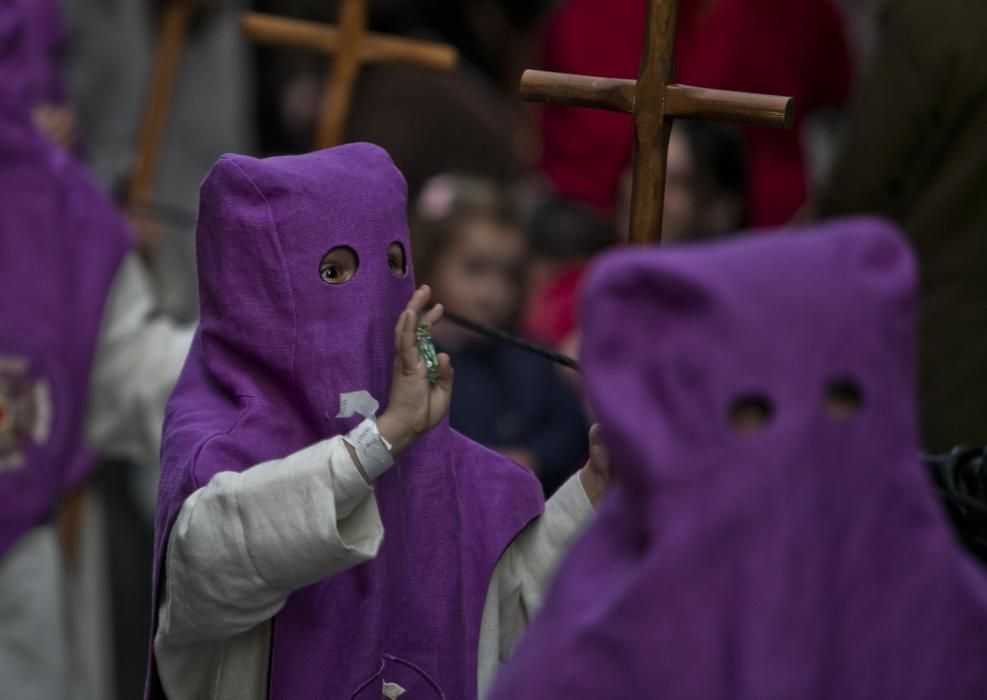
x: 137, y: 361
x: 523, y: 573
x: 240, y: 545
x: 34, y: 637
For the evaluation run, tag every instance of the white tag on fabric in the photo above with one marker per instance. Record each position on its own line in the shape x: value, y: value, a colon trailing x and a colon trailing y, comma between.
x: 392, y: 691
x: 357, y: 402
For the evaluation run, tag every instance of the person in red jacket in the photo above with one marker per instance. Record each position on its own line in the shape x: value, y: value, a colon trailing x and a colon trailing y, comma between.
x: 789, y: 47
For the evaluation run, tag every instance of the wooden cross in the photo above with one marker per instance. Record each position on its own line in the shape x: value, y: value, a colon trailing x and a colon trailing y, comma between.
x: 655, y: 101
x: 157, y: 107
x: 352, y: 46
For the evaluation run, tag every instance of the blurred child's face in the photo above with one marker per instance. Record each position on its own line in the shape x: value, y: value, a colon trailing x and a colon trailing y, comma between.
x: 681, y: 210
x: 690, y: 211
x: 480, y: 274
x: 681, y: 213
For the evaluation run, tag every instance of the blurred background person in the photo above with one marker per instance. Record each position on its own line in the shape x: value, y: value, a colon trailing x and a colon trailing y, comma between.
x: 102, y: 507
x: 563, y: 236
x: 783, y: 47
x: 36, y: 79
x: 705, y: 198
x: 914, y: 149
x: 85, y: 366
x: 472, y: 252
x: 706, y: 184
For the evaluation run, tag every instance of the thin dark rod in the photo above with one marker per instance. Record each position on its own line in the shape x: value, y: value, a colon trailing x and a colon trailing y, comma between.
x: 511, y: 339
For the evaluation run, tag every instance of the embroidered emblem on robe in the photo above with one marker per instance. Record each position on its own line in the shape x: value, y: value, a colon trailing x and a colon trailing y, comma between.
x: 25, y: 411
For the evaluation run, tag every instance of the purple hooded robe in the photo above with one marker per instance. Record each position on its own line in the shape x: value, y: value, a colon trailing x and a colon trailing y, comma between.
x: 35, y: 77
x: 810, y: 560
x: 275, y: 348
x: 61, y: 243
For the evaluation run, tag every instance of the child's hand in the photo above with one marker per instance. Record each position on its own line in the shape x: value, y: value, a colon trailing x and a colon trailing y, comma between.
x: 596, y: 474
x: 415, y: 406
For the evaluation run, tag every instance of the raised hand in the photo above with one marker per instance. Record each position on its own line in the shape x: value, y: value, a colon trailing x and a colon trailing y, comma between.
x: 416, y: 405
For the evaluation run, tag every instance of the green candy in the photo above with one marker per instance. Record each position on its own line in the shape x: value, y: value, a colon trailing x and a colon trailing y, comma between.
x: 423, y: 339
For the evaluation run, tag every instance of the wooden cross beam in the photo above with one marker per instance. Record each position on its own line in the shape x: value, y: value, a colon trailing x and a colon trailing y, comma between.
x: 352, y: 45
x: 655, y: 101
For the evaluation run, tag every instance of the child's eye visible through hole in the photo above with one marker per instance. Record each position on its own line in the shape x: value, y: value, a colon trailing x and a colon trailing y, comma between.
x: 843, y: 399
x: 338, y: 266
x: 750, y: 414
x: 395, y: 259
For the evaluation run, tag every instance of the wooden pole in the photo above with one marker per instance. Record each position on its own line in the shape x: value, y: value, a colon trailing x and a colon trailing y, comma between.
x: 338, y: 91
x: 651, y: 129
x: 69, y: 524
x: 157, y: 107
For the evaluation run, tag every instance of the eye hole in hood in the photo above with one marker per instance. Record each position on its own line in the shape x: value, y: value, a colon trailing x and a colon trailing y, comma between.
x: 750, y: 414
x: 843, y: 399
x: 339, y: 265
x: 396, y: 259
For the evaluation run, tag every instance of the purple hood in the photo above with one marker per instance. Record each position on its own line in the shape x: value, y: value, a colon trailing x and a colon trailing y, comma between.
x: 810, y: 560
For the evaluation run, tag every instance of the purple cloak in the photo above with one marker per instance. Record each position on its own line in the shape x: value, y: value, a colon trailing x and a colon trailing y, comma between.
x: 275, y: 348
x: 810, y: 560
x: 61, y: 243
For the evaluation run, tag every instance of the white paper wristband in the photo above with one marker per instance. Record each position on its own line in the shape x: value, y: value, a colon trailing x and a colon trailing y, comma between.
x: 371, y: 448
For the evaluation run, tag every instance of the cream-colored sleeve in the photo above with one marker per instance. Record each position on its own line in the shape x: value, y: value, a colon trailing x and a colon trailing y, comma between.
x: 35, y: 658
x: 524, y: 572
x: 239, y: 546
x: 137, y: 361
